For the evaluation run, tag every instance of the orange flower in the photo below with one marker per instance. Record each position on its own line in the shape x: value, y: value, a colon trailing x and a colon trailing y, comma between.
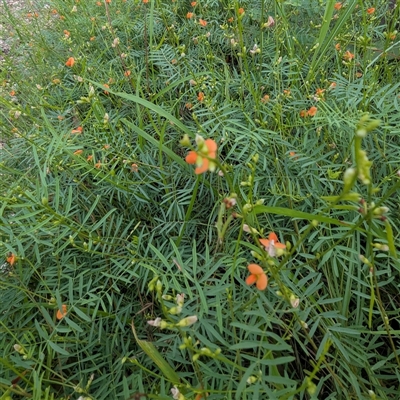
x: 337, y: 46
x: 189, y: 15
x: 145, y: 1
x: 97, y: 165
x: 272, y: 245
x: 11, y: 259
x: 200, y: 96
x: 67, y: 33
x: 108, y: 1
x: 265, y: 99
x: 127, y: 73
x: 332, y: 85
x: 338, y: 6
x: 12, y: 93
x: 89, y: 158
x: 79, y: 129
x: 241, y: 10
x: 207, y: 151
x: 70, y: 62
x: 303, y: 113
x: 193, y: 3
x: 348, y: 56
x: 371, y: 10
x: 92, y: 38
x: 202, y: 22
x: 78, y: 152
x: 107, y: 87
x: 62, y: 313
x: 134, y: 168
x: 312, y: 111
x: 257, y: 276
x: 230, y: 19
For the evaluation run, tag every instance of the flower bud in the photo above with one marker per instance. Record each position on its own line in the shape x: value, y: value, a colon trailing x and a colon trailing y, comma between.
x: 180, y: 299
x: 175, y: 310
x: 247, y: 208
x: 155, y: 322
x: 185, y: 141
x: 380, y: 246
x: 187, y: 321
x: 294, y: 301
x: 19, y: 349
x: 251, y: 379
x: 349, y: 178
x: 380, y: 211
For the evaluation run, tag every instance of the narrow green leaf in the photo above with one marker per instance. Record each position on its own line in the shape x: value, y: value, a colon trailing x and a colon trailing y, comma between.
x: 57, y: 348
x: 389, y: 236
x: 156, y: 357
x: 299, y: 214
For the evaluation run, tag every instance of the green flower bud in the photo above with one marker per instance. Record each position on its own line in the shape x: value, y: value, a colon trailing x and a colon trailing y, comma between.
x: 187, y: 321
x: 185, y: 141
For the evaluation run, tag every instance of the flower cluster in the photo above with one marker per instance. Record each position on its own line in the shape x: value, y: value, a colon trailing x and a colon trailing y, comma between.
x: 274, y: 249
x: 204, y: 156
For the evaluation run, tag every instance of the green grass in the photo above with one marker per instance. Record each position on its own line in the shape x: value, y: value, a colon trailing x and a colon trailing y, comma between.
x: 113, y: 223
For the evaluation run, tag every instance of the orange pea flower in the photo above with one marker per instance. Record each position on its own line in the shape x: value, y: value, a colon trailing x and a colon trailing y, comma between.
x: 189, y: 15
x: 337, y: 46
x: 202, y: 22
x: 12, y: 93
x: 200, y: 96
x: 97, y: 165
x: 207, y: 151
x: 70, y: 62
x: 89, y: 157
x: 272, y: 245
x: 62, y: 313
x: 134, y: 167
x: 78, y: 152
x: 127, y: 73
x: 371, y: 10
x: 11, y: 259
x: 257, y: 276
x: 303, y: 113
x: 241, y: 10
x: 107, y: 87
x: 348, y: 56
x: 312, y: 111
x: 338, y: 6
x: 79, y: 129
x: 193, y: 3
x: 265, y: 98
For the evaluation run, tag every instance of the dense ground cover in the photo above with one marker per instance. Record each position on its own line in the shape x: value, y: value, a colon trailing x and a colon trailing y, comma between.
x: 269, y: 269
